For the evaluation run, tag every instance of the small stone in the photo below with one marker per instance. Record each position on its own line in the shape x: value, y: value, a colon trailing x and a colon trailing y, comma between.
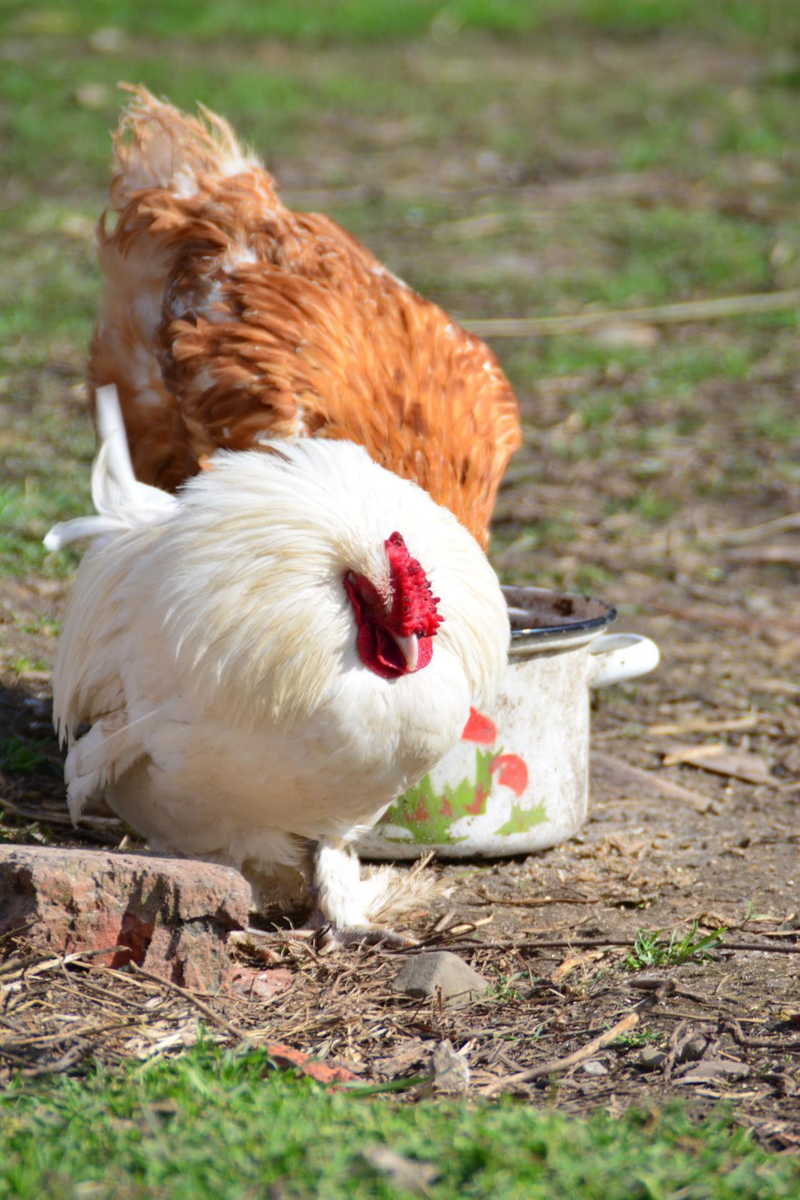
x: 108, y: 40
x: 651, y: 1059
x: 627, y: 333
x: 692, y: 1051
x: 595, y: 1068
x: 717, y: 1070
x: 171, y: 916
x: 93, y: 96
x: 440, y: 971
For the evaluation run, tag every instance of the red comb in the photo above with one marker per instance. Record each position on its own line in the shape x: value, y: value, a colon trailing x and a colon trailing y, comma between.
x: 413, y: 604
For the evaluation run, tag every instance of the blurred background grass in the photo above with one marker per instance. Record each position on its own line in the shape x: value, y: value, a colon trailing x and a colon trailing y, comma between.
x: 507, y: 158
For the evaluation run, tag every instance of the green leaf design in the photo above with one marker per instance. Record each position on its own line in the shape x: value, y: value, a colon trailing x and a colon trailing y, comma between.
x: 523, y: 819
x: 428, y: 815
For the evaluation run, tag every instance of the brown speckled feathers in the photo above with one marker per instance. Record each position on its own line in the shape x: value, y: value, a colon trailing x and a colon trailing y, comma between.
x: 227, y: 319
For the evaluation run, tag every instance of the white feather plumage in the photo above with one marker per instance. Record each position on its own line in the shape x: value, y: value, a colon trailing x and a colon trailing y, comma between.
x: 211, y: 646
x: 122, y: 502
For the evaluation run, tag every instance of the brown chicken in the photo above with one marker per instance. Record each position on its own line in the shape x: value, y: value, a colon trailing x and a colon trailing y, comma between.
x: 227, y: 320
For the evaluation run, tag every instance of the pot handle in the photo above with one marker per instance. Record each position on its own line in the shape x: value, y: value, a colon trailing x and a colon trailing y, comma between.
x: 614, y: 657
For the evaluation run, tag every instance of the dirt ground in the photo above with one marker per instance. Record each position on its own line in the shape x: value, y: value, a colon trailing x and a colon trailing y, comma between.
x: 692, y: 536
x: 646, y: 860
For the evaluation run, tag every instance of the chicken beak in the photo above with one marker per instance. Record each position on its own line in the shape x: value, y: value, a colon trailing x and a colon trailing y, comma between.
x: 409, y: 648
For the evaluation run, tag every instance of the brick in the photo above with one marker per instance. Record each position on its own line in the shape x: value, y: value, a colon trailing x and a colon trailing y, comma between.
x: 172, y: 916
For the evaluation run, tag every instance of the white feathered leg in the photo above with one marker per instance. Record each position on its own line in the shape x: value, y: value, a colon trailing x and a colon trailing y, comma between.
x: 337, y: 893
x: 349, y: 905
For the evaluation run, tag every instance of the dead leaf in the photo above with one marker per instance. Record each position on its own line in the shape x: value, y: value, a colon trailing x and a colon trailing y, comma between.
x: 451, y: 1070
x: 407, y: 1055
x: 714, y: 920
x: 108, y: 40
x: 627, y: 845
x: 734, y: 764
x: 76, y: 225
x: 573, y: 963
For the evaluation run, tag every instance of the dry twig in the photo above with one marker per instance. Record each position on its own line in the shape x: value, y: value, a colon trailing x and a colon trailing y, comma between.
x: 702, y: 725
x: 719, y: 308
x: 754, y: 533
x: 214, y: 1017
x: 638, y: 776
x: 741, y: 1039
x: 562, y: 1064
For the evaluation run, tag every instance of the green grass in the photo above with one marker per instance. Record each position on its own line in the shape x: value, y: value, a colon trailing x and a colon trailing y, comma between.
x: 544, y: 115
x: 638, y: 1038
x: 22, y: 756
x: 27, y: 511
x: 366, y: 20
x: 214, y: 1124
x: 651, y: 950
x: 495, y: 101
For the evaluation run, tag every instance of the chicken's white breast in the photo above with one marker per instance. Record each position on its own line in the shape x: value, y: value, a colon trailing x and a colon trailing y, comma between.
x: 214, y: 652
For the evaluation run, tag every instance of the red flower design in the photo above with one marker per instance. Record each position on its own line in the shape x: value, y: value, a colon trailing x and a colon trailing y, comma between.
x: 420, y: 813
x: 477, y: 806
x: 479, y: 729
x: 511, y: 772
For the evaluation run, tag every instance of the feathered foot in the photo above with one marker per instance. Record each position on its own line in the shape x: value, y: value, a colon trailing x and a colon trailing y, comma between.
x: 348, y: 910
x: 330, y: 939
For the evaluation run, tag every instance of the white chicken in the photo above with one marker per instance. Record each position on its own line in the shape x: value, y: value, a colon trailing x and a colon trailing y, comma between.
x: 269, y: 658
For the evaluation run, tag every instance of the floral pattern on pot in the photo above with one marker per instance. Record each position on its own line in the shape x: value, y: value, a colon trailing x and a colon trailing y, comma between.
x: 429, y: 815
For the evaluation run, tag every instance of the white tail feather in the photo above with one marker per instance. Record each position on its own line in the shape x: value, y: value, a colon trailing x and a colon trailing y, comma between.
x: 122, y: 502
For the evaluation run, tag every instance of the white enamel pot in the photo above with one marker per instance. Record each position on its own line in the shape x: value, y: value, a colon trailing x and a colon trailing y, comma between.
x: 519, y: 778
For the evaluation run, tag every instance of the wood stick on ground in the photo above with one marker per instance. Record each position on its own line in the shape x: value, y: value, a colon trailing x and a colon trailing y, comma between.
x: 638, y: 776
x: 741, y: 1039
x: 690, y: 754
x: 719, y: 308
x: 595, y: 943
x: 537, y: 903
x: 681, y: 1034
x: 754, y: 533
x: 64, y: 960
x: 215, y: 1018
x: 569, y: 1060
x: 755, y: 555
x: 751, y: 720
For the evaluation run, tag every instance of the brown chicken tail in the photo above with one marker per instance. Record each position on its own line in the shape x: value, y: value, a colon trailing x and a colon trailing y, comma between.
x: 158, y: 146
x: 166, y: 167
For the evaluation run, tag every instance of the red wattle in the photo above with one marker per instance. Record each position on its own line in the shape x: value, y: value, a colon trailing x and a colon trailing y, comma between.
x: 378, y: 650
